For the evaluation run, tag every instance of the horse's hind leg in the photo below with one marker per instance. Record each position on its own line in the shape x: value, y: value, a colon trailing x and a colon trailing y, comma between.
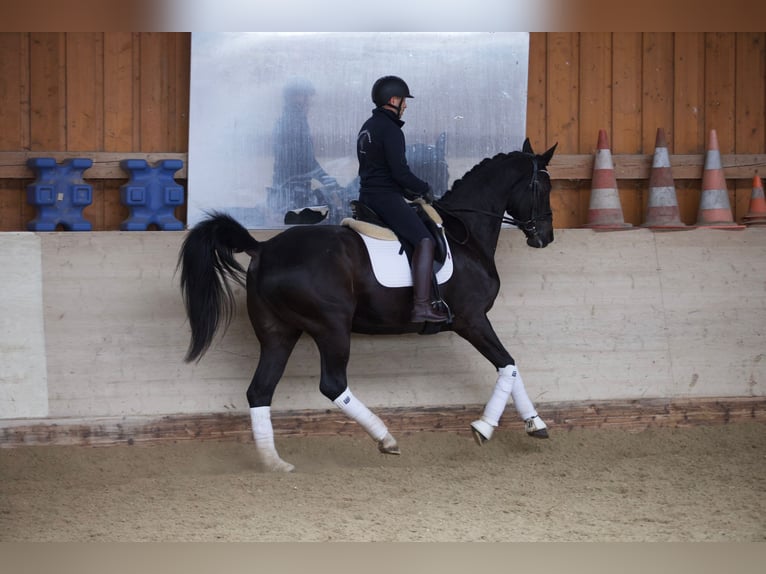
x: 334, y: 347
x: 274, y: 355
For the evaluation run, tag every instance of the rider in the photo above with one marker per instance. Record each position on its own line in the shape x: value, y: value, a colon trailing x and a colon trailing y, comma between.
x: 385, y: 180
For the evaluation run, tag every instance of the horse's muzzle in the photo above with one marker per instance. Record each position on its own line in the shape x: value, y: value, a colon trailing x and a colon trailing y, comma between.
x: 539, y: 238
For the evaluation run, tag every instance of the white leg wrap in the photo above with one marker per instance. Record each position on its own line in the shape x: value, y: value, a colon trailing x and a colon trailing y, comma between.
x: 503, y: 389
x: 263, y: 434
x: 521, y: 401
x: 356, y: 410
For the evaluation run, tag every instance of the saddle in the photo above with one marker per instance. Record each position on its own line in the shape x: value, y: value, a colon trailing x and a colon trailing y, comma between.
x: 367, y: 222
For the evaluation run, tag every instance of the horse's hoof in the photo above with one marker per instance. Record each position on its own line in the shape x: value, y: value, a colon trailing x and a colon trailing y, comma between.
x: 388, y: 445
x: 482, y: 431
x: 536, y: 427
x: 276, y: 465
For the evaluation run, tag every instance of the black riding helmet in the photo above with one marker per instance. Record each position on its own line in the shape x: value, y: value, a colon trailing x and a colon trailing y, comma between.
x: 387, y: 87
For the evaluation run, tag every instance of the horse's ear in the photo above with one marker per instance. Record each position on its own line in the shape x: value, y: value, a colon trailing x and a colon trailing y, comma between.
x: 546, y: 157
x: 527, y: 147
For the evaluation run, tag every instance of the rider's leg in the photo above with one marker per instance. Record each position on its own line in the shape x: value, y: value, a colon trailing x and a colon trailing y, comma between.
x: 422, y: 271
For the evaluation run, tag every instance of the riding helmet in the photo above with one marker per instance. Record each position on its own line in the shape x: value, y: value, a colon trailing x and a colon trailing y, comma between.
x: 388, y: 86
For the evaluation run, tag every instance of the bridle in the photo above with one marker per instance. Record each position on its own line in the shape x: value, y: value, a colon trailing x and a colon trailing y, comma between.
x: 528, y: 226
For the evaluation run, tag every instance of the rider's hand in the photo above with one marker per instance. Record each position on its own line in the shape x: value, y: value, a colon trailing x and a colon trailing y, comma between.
x: 428, y: 196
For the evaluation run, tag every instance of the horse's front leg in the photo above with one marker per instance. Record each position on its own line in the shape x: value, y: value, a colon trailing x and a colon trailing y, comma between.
x: 508, y: 385
x: 334, y: 349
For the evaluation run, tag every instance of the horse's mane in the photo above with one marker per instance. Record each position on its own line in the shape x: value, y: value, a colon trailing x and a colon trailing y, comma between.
x: 480, y: 167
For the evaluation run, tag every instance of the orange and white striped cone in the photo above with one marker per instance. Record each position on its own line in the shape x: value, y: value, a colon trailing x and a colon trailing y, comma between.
x: 756, y: 213
x: 605, y: 209
x: 715, y: 208
x: 662, y: 209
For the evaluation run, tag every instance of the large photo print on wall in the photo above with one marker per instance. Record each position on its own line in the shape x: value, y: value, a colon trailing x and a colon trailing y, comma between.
x: 274, y: 117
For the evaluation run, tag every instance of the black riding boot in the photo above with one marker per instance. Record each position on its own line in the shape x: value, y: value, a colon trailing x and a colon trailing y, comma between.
x: 422, y: 270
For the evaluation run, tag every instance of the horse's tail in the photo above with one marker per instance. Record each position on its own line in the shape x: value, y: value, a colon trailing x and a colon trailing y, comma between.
x: 207, y: 262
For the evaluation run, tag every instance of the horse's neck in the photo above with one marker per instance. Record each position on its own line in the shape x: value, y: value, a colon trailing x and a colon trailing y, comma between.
x: 481, y: 229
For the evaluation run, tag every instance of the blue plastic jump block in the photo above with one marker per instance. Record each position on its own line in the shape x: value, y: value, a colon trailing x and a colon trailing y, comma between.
x: 59, y: 193
x: 151, y: 195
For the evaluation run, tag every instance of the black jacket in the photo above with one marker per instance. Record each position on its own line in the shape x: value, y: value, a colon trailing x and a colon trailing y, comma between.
x: 380, y: 148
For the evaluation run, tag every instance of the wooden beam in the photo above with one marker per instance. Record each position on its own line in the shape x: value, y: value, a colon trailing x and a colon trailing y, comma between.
x: 638, y: 166
x: 106, y: 165
x: 631, y: 415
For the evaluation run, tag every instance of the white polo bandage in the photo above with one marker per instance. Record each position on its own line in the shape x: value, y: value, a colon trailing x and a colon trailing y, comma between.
x: 356, y: 410
x: 503, y: 388
x: 521, y: 400
x: 263, y: 432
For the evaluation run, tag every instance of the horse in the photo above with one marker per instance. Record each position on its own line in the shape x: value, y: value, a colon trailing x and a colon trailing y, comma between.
x: 319, y: 280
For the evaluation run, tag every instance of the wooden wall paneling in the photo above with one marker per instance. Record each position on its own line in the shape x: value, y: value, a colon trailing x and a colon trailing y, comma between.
x: 153, y: 82
x: 658, y: 91
x: 179, y: 105
x: 13, y: 71
x: 179, y: 64
x: 48, y: 91
x: 536, y: 92
x: 562, y: 114
x: 627, y: 63
x: 720, y: 61
x: 14, y: 121
x: 595, y: 87
x: 85, y: 91
x: 688, y: 136
x: 118, y: 92
x: 750, y: 106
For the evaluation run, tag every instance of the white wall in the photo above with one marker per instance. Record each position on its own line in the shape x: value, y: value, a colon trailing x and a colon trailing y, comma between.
x: 23, y: 373
x: 93, y: 326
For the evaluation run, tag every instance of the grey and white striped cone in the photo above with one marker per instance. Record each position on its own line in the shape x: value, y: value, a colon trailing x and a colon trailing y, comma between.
x: 605, y: 209
x: 715, y: 208
x: 756, y: 213
x: 662, y: 208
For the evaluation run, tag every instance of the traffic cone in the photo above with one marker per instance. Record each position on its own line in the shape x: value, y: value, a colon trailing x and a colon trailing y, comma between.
x: 662, y: 209
x: 605, y: 209
x: 756, y: 214
x: 715, y: 209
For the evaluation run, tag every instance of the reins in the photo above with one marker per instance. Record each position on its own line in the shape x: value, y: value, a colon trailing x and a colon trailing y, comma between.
x: 528, y: 226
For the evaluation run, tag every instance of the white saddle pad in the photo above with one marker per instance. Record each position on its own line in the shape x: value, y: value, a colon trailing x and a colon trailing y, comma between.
x: 392, y: 269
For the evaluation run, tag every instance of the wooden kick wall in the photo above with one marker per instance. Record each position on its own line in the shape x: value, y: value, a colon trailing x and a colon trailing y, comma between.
x: 118, y: 93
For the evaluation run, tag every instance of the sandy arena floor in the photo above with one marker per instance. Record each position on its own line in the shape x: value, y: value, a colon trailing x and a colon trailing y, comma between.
x: 691, y: 484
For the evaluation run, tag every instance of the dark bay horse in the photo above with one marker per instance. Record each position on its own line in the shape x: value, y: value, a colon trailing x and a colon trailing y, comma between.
x: 319, y: 280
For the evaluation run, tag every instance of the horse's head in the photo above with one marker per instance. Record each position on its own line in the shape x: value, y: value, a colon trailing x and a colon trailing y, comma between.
x: 530, y: 205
